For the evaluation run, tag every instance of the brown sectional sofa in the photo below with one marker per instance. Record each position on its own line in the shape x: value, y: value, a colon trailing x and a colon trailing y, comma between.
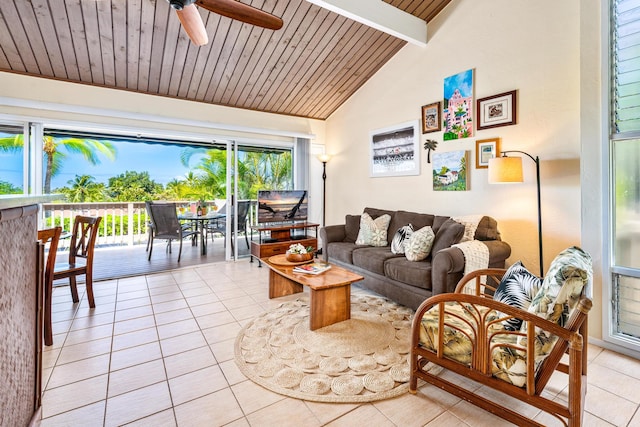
x: 408, y: 282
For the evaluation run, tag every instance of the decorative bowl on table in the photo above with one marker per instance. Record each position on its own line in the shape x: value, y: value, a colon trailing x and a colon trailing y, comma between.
x: 294, y: 257
x: 299, y: 253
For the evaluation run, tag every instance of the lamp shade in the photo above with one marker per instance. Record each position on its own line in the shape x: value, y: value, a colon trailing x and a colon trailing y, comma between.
x: 505, y: 169
x: 324, y: 158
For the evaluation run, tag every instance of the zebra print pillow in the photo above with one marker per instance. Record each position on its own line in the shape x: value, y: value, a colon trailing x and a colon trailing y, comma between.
x: 517, y: 288
x: 401, y: 238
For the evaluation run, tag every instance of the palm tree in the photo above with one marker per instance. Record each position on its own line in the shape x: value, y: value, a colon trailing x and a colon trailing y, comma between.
x: 54, y: 150
x: 84, y: 189
x: 256, y: 171
x: 430, y: 145
x: 90, y: 149
x: 462, y: 173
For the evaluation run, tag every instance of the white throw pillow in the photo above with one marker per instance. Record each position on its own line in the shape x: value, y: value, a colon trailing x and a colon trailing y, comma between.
x: 420, y: 244
x: 401, y: 238
x: 373, y: 232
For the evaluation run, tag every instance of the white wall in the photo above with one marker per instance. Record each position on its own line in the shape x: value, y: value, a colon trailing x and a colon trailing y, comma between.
x: 52, y: 101
x: 531, y: 46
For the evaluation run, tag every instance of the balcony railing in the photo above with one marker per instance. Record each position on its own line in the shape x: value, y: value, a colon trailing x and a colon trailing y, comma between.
x: 123, y: 223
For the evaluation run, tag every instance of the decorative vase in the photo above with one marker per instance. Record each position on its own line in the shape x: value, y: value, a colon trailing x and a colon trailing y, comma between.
x: 299, y: 257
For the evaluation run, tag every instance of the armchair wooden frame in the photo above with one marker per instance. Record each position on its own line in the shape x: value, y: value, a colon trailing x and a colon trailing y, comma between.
x: 83, y: 241
x: 45, y: 236
x: 572, y: 339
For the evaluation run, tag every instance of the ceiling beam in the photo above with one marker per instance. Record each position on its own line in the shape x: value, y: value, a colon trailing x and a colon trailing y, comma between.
x: 381, y: 16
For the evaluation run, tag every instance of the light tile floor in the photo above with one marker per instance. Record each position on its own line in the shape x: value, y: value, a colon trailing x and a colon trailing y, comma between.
x: 158, y: 351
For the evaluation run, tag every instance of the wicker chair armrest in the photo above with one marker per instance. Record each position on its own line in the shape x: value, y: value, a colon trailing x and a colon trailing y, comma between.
x: 482, y: 301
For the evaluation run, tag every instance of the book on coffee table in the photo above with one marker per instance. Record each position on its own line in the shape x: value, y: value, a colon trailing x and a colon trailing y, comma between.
x: 313, y: 268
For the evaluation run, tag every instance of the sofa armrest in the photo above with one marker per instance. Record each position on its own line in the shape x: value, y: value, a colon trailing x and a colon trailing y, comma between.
x: 445, y: 262
x: 331, y: 233
x: 448, y: 265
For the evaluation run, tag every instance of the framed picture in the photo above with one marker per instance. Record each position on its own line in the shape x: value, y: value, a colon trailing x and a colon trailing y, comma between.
x: 395, y: 150
x: 486, y: 149
x: 450, y: 171
x: 497, y: 110
x: 431, y: 114
x: 457, y: 111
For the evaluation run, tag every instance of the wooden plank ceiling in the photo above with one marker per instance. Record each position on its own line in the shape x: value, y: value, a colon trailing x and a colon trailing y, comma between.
x: 308, y: 68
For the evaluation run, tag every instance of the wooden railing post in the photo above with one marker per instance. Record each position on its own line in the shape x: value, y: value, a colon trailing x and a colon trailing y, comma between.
x: 130, y: 233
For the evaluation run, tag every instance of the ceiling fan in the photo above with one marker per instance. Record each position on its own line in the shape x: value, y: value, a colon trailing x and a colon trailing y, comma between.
x: 192, y: 21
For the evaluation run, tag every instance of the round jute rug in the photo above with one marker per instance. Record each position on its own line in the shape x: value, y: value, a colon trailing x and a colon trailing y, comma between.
x: 362, y: 359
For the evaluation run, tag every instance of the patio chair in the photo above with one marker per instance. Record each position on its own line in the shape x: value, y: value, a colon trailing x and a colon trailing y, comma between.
x: 219, y: 226
x: 83, y: 241
x: 166, y: 226
x: 52, y: 236
x: 512, y: 350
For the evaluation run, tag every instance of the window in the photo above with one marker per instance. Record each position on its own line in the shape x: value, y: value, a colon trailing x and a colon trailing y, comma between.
x: 625, y: 170
x: 12, y: 159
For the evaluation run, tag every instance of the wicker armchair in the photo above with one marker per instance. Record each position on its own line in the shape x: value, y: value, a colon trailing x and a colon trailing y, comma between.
x: 465, y: 332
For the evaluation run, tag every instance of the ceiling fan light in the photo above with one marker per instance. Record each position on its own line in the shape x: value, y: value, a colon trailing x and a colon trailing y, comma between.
x: 180, y: 4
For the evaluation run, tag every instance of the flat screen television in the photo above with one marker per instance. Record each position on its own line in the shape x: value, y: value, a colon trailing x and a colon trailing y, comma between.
x: 282, y: 206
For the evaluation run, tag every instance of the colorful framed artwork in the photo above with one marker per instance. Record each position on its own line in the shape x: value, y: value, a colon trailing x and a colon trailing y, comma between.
x: 450, y: 171
x: 431, y: 114
x: 458, y: 106
x: 395, y: 150
x: 497, y: 110
x: 486, y: 149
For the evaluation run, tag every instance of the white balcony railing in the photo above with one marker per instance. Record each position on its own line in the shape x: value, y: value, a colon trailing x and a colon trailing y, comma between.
x: 123, y: 223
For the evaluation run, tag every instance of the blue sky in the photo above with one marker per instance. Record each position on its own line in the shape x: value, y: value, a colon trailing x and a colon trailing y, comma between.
x: 161, y: 161
x: 462, y: 81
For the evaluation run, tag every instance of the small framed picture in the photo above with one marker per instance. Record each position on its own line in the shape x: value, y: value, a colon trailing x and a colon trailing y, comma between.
x: 431, y: 117
x: 486, y: 149
x: 496, y: 110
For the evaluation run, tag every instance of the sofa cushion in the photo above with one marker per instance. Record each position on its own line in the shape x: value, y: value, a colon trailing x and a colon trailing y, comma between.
x: 416, y: 274
x: 351, y: 228
x: 373, y: 232
x: 487, y: 229
x: 438, y: 221
x: 375, y: 213
x: 420, y: 243
x: 372, y: 259
x: 402, y: 218
x: 449, y: 233
x: 342, y: 251
x: 401, y: 238
x: 517, y: 288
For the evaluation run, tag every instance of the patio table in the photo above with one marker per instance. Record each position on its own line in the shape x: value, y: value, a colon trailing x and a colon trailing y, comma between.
x: 200, y: 221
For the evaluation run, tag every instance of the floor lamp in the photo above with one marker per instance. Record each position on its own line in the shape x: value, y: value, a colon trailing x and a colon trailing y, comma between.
x: 324, y: 158
x: 509, y: 170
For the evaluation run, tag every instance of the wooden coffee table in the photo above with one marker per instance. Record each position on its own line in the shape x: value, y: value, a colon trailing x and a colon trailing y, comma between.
x: 330, y: 291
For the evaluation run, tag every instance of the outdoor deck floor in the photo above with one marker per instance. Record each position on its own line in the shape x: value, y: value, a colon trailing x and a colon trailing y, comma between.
x: 125, y: 261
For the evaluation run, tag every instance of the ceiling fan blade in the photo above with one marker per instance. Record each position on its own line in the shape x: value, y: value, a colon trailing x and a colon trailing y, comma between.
x: 242, y: 12
x: 193, y: 25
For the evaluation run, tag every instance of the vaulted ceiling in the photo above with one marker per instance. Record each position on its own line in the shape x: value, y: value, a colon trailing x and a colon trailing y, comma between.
x: 308, y: 68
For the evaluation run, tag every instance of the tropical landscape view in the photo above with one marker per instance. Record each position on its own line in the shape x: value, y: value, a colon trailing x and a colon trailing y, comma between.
x: 102, y: 170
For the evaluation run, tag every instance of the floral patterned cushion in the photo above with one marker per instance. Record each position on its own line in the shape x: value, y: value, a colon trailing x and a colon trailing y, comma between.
x: 373, y: 232
x: 570, y: 272
x: 419, y: 244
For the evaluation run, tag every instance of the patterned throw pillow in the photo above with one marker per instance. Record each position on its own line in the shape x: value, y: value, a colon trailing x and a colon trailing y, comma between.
x: 401, y: 238
x: 568, y: 274
x: 517, y: 288
x: 373, y: 232
x: 420, y: 244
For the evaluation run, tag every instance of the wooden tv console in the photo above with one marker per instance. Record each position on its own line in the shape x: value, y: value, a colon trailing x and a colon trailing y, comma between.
x: 275, y: 238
